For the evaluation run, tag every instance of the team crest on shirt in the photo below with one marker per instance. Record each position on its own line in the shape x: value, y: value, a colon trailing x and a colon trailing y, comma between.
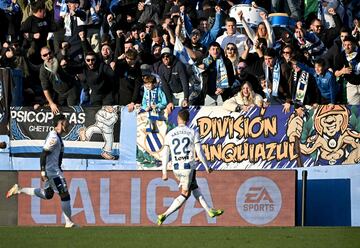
x: 52, y: 141
x: 149, y: 144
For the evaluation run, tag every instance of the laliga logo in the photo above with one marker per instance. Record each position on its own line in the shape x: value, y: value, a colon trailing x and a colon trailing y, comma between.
x: 258, y: 200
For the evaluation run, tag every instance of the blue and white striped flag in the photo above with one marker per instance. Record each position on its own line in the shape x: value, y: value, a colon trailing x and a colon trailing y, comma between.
x: 181, y: 53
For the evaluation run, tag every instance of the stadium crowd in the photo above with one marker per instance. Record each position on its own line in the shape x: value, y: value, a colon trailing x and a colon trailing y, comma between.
x: 102, y: 52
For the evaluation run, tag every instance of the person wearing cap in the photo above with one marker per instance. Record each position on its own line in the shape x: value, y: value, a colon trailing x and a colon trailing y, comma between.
x: 347, y: 66
x: 51, y: 172
x: 128, y: 76
x: 174, y: 80
x: 218, y: 76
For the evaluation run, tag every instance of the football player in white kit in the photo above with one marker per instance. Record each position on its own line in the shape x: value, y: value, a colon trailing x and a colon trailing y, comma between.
x: 51, y: 172
x: 182, y: 142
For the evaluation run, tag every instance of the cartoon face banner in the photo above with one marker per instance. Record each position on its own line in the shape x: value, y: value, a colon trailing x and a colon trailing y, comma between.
x: 265, y: 138
x: 93, y: 132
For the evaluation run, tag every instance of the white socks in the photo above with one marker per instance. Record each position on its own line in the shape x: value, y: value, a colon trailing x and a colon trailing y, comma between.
x: 177, y: 203
x: 66, y: 208
x: 33, y: 191
x: 197, y: 194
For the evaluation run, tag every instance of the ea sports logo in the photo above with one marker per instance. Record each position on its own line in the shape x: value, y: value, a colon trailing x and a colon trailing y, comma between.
x: 258, y: 200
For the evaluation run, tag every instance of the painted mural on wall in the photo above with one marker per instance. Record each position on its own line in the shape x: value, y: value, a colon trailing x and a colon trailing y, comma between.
x: 149, y: 141
x: 94, y: 131
x: 266, y: 138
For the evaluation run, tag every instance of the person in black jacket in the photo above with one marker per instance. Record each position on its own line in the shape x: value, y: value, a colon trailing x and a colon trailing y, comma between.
x: 337, y: 47
x: 35, y: 30
x: 129, y: 80
x: 58, y: 83
x: 174, y: 80
x: 98, y: 81
x: 218, y: 76
x: 347, y: 66
x: 328, y: 35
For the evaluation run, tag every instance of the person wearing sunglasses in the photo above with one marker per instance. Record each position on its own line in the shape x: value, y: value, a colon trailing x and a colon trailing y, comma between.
x: 231, y: 52
x: 327, y: 36
x: 98, y: 83
x: 58, y: 81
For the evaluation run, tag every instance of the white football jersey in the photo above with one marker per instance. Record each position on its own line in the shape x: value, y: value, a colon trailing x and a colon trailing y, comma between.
x: 181, y: 141
x: 55, y: 146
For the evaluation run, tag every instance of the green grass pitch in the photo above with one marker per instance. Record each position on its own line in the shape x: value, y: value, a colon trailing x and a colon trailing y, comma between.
x: 173, y: 237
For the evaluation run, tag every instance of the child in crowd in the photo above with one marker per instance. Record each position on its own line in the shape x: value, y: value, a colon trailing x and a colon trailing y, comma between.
x: 153, y: 101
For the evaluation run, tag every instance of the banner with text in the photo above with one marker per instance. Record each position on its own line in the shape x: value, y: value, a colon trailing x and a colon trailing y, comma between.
x: 94, y: 132
x: 263, y: 138
x: 261, y: 198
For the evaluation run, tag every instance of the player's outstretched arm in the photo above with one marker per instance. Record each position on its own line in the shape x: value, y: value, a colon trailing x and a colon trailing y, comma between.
x: 201, y: 155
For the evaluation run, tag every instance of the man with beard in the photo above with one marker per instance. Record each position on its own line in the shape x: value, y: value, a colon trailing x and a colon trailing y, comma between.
x: 51, y: 171
x: 193, y: 46
x: 98, y: 83
x: 58, y: 84
x: 327, y: 36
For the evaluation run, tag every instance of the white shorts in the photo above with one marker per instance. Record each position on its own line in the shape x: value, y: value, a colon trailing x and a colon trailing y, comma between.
x: 186, y: 179
x: 57, y: 184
